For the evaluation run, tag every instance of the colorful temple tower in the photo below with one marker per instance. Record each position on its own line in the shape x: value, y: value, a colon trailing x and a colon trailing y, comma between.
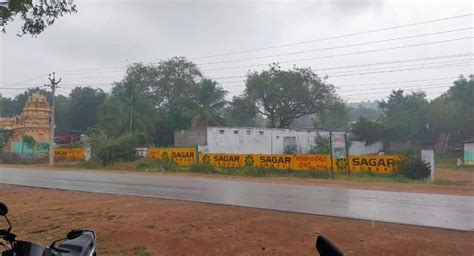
x: 34, y: 121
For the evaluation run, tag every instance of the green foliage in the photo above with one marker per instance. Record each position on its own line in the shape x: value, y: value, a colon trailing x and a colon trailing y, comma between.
x: 368, y: 130
x: 210, y: 100
x: 202, y: 168
x: 404, y: 118
x: 290, y: 149
x: 116, y: 150
x: 154, y: 165
x: 451, y: 113
x: 240, y: 112
x: 283, y: 96
x: 335, y: 117
x: 84, y: 103
x: 30, y: 142
x: 413, y: 168
x: 35, y: 15
x: 322, y: 145
x: 4, y: 137
x: 362, y: 110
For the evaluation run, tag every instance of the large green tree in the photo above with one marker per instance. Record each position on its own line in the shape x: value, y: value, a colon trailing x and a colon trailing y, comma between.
x: 404, y: 116
x: 36, y: 15
x: 335, y: 117
x: 175, y: 82
x: 209, y: 102
x: 83, y: 107
x: 452, y: 113
x: 130, y: 107
x: 240, y: 112
x: 284, y: 95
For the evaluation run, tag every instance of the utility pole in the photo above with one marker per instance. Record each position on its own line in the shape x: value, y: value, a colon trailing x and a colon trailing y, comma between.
x: 53, y: 85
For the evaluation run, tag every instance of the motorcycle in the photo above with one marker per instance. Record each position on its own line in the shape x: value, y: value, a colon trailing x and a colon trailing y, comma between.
x: 78, y: 242
x: 82, y: 242
x: 326, y: 248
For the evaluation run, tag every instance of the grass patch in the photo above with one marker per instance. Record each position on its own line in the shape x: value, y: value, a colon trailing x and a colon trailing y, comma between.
x: 150, y: 226
x: 447, y: 161
x: 171, y: 167
x: 147, y: 165
x: 140, y: 251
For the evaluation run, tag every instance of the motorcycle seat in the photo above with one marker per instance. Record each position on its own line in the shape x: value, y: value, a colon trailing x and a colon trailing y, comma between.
x: 80, y: 245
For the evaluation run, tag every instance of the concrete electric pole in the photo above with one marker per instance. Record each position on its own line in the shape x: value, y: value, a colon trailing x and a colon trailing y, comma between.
x: 53, y: 85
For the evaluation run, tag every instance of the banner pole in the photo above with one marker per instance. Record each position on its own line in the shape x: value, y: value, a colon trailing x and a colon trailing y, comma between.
x: 347, y: 154
x: 332, y: 161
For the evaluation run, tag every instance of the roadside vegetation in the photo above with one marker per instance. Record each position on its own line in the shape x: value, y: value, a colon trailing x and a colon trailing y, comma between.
x: 164, y: 166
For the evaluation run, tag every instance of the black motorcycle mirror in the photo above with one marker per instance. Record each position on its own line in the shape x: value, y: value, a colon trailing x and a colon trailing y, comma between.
x: 3, y: 209
x: 326, y: 247
x: 73, y: 234
x: 4, y: 212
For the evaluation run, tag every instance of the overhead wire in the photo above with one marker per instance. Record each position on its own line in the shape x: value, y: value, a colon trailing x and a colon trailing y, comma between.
x: 334, y: 47
x: 343, y: 54
x: 334, y: 37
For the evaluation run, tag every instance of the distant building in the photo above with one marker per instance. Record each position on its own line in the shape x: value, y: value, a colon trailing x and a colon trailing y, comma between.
x: 247, y: 140
x: 469, y: 152
x: 34, y: 121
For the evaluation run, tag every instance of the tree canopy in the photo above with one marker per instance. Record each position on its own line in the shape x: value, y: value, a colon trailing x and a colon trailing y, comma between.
x: 36, y: 15
x: 153, y: 101
x: 284, y: 95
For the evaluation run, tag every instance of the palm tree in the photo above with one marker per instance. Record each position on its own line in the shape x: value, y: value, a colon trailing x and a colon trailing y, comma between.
x: 210, y: 99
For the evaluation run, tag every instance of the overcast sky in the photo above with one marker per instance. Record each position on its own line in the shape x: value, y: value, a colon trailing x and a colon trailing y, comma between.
x: 106, y: 35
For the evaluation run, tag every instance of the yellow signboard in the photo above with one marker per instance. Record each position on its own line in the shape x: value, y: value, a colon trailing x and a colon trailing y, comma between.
x: 379, y: 164
x: 69, y: 153
x: 223, y: 160
x: 312, y: 162
x: 187, y: 157
x: 282, y: 162
x: 182, y: 156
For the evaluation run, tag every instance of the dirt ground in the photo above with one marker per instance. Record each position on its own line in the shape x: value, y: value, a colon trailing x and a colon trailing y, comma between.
x: 145, y: 226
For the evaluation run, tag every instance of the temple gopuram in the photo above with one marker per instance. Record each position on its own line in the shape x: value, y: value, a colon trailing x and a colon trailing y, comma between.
x: 33, y: 121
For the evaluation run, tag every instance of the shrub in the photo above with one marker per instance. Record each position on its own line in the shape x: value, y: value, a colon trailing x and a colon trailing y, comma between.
x: 156, y: 165
x: 413, y: 168
x: 202, y: 168
x: 120, y: 149
x: 322, y: 145
x: 10, y: 158
x: 290, y: 149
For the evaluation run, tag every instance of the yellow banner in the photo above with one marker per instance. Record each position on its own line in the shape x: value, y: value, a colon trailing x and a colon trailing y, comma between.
x: 187, y: 157
x: 223, y: 160
x: 182, y: 156
x: 282, y: 162
x: 69, y: 153
x: 312, y: 162
x: 379, y: 164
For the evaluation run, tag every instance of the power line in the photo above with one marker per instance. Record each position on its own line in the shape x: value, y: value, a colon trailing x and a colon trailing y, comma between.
x: 333, y: 37
x: 334, y: 47
x: 344, y: 54
x: 405, y: 66
x: 347, y: 66
x: 105, y: 70
x: 406, y: 81
x: 398, y: 70
x: 392, y: 88
x: 389, y: 91
x: 28, y: 80
x: 388, y: 70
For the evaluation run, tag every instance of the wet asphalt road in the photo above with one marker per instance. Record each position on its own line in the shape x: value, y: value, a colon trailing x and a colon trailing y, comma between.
x: 444, y: 211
